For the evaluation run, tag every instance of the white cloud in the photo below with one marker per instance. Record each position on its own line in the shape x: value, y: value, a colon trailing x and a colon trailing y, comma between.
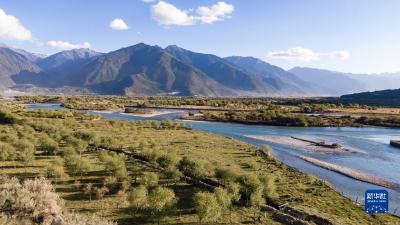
x: 11, y: 28
x: 343, y: 55
x: 214, y: 13
x: 297, y: 53
x: 118, y: 24
x: 304, y: 54
x: 149, y: 1
x: 65, y: 45
x: 168, y: 14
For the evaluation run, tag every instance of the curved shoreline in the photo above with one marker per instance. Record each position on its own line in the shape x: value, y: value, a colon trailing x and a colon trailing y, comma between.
x: 293, y: 142
x: 357, y: 175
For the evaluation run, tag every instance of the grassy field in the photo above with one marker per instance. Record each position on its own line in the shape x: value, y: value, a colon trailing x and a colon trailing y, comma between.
x: 293, y: 188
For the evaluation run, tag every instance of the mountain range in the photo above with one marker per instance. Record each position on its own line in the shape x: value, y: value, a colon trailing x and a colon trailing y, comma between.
x: 142, y: 69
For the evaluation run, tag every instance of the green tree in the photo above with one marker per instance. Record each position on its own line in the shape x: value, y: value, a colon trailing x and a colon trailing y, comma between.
x: 160, y: 200
x: 47, y: 144
x: 207, y: 207
x: 223, y: 197
x: 26, y: 150
x: 114, y: 164
x: 56, y: 171
x: 149, y: 179
x: 167, y: 160
x: 192, y: 168
x: 249, y: 185
x: 137, y: 198
x: 7, y: 151
x: 225, y: 175
x: 269, y: 187
x: 111, y: 183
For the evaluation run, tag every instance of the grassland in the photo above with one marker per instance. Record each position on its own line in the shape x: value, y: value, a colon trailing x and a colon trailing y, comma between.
x: 297, y: 190
x: 312, y: 112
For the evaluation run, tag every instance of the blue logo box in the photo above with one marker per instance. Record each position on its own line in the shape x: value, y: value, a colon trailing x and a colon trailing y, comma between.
x: 376, y: 201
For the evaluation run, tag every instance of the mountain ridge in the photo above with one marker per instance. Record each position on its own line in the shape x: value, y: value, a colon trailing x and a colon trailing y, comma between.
x: 143, y: 69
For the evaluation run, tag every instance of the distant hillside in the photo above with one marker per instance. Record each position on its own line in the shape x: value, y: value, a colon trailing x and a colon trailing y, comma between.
x: 11, y: 63
x: 70, y: 56
x: 222, y: 71
x: 284, y: 82
x: 32, y: 57
x: 337, y: 83
x: 333, y: 83
x: 378, y: 98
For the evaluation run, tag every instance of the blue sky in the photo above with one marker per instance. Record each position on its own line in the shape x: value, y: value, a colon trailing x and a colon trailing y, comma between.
x: 344, y: 35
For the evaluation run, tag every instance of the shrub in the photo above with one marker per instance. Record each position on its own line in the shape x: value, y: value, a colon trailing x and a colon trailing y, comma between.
x: 207, y: 207
x: 25, y: 150
x: 55, y: 171
x: 32, y: 201
x: 149, y: 179
x: 225, y: 175
x: 114, y: 164
x: 269, y: 187
x: 111, y: 183
x: 137, y: 198
x: 47, y: 144
x: 249, y: 186
x: 192, y: 169
x: 167, y: 160
x: 77, y: 164
x: 7, y: 152
x: 224, y: 198
x: 160, y: 201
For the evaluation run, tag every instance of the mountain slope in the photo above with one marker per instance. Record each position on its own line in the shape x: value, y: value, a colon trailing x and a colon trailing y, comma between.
x: 333, y: 83
x: 141, y: 70
x: 224, y: 72
x: 280, y: 79
x: 379, y: 81
x: 70, y: 56
x: 32, y: 57
x: 379, y: 98
x: 12, y: 63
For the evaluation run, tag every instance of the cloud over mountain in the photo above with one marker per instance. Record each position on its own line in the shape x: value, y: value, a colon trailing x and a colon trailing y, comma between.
x: 165, y: 13
x: 305, y: 54
x: 12, y: 29
x: 217, y: 12
x: 297, y: 53
x: 118, y: 24
x: 65, y: 45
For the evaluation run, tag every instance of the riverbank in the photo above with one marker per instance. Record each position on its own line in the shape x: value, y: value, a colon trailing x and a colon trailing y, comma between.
x: 353, y: 173
x: 149, y: 114
x: 297, y: 143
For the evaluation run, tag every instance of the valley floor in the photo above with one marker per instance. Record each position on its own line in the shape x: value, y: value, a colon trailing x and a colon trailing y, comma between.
x: 212, y: 152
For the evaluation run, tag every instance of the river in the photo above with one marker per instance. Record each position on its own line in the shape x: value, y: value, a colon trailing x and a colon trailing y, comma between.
x: 378, y: 158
